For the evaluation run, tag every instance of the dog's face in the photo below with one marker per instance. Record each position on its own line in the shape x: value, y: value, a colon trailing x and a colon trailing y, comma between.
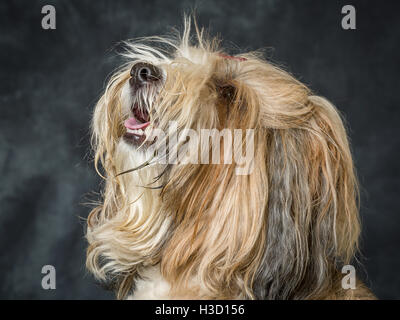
x: 277, y: 231
x: 202, y: 90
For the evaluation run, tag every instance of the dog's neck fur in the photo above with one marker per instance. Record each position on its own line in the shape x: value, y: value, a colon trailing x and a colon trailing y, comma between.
x: 144, y: 204
x: 150, y: 286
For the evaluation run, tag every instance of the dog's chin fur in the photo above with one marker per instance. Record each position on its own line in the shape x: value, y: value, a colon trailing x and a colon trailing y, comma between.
x: 200, y: 231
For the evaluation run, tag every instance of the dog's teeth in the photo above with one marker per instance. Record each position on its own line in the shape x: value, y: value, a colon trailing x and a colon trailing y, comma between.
x: 135, y: 131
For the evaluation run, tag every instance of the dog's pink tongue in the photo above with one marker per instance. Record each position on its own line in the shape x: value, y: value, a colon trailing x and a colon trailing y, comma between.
x: 133, y: 124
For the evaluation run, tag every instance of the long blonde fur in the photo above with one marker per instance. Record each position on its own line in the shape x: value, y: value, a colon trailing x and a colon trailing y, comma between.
x: 281, y: 232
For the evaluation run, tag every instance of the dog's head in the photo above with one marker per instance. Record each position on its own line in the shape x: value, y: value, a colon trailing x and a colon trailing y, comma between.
x: 279, y: 229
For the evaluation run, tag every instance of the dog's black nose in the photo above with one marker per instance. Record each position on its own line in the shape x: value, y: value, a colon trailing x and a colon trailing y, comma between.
x: 142, y: 73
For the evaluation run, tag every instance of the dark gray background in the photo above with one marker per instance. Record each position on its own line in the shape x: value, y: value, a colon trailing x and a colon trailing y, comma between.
x: 50, y: 81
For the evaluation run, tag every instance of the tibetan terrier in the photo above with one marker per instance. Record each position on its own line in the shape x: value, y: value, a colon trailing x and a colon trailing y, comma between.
x: 178, y: 220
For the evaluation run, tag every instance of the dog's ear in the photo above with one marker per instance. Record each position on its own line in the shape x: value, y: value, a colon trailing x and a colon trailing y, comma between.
x: 312, y: 206
x: 106, y: 124
x: 106, y: 253
x: 219, y: 215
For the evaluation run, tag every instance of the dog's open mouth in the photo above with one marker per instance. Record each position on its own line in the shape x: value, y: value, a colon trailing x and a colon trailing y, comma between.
x: 136, y: 126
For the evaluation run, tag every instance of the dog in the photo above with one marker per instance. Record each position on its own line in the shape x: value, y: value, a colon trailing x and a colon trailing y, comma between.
x: 283, y: 228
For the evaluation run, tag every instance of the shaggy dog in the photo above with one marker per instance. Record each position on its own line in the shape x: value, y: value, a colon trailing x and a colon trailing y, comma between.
x: 280, y: 229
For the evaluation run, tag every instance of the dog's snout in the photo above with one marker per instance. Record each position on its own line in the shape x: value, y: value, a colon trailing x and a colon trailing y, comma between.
x: 142, y: 73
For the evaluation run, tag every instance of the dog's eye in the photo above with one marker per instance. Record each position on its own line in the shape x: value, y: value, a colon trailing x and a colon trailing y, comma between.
x: 227, y: 92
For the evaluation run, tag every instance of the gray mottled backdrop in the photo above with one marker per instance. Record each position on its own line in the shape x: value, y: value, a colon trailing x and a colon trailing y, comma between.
x: 50, y: 81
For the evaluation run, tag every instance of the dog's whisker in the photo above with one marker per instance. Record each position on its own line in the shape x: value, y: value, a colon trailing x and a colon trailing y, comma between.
x: 154, y: 188
x: 134, y: 169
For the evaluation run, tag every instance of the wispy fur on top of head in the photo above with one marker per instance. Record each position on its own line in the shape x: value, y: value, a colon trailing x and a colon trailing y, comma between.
x: 281, y: 232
